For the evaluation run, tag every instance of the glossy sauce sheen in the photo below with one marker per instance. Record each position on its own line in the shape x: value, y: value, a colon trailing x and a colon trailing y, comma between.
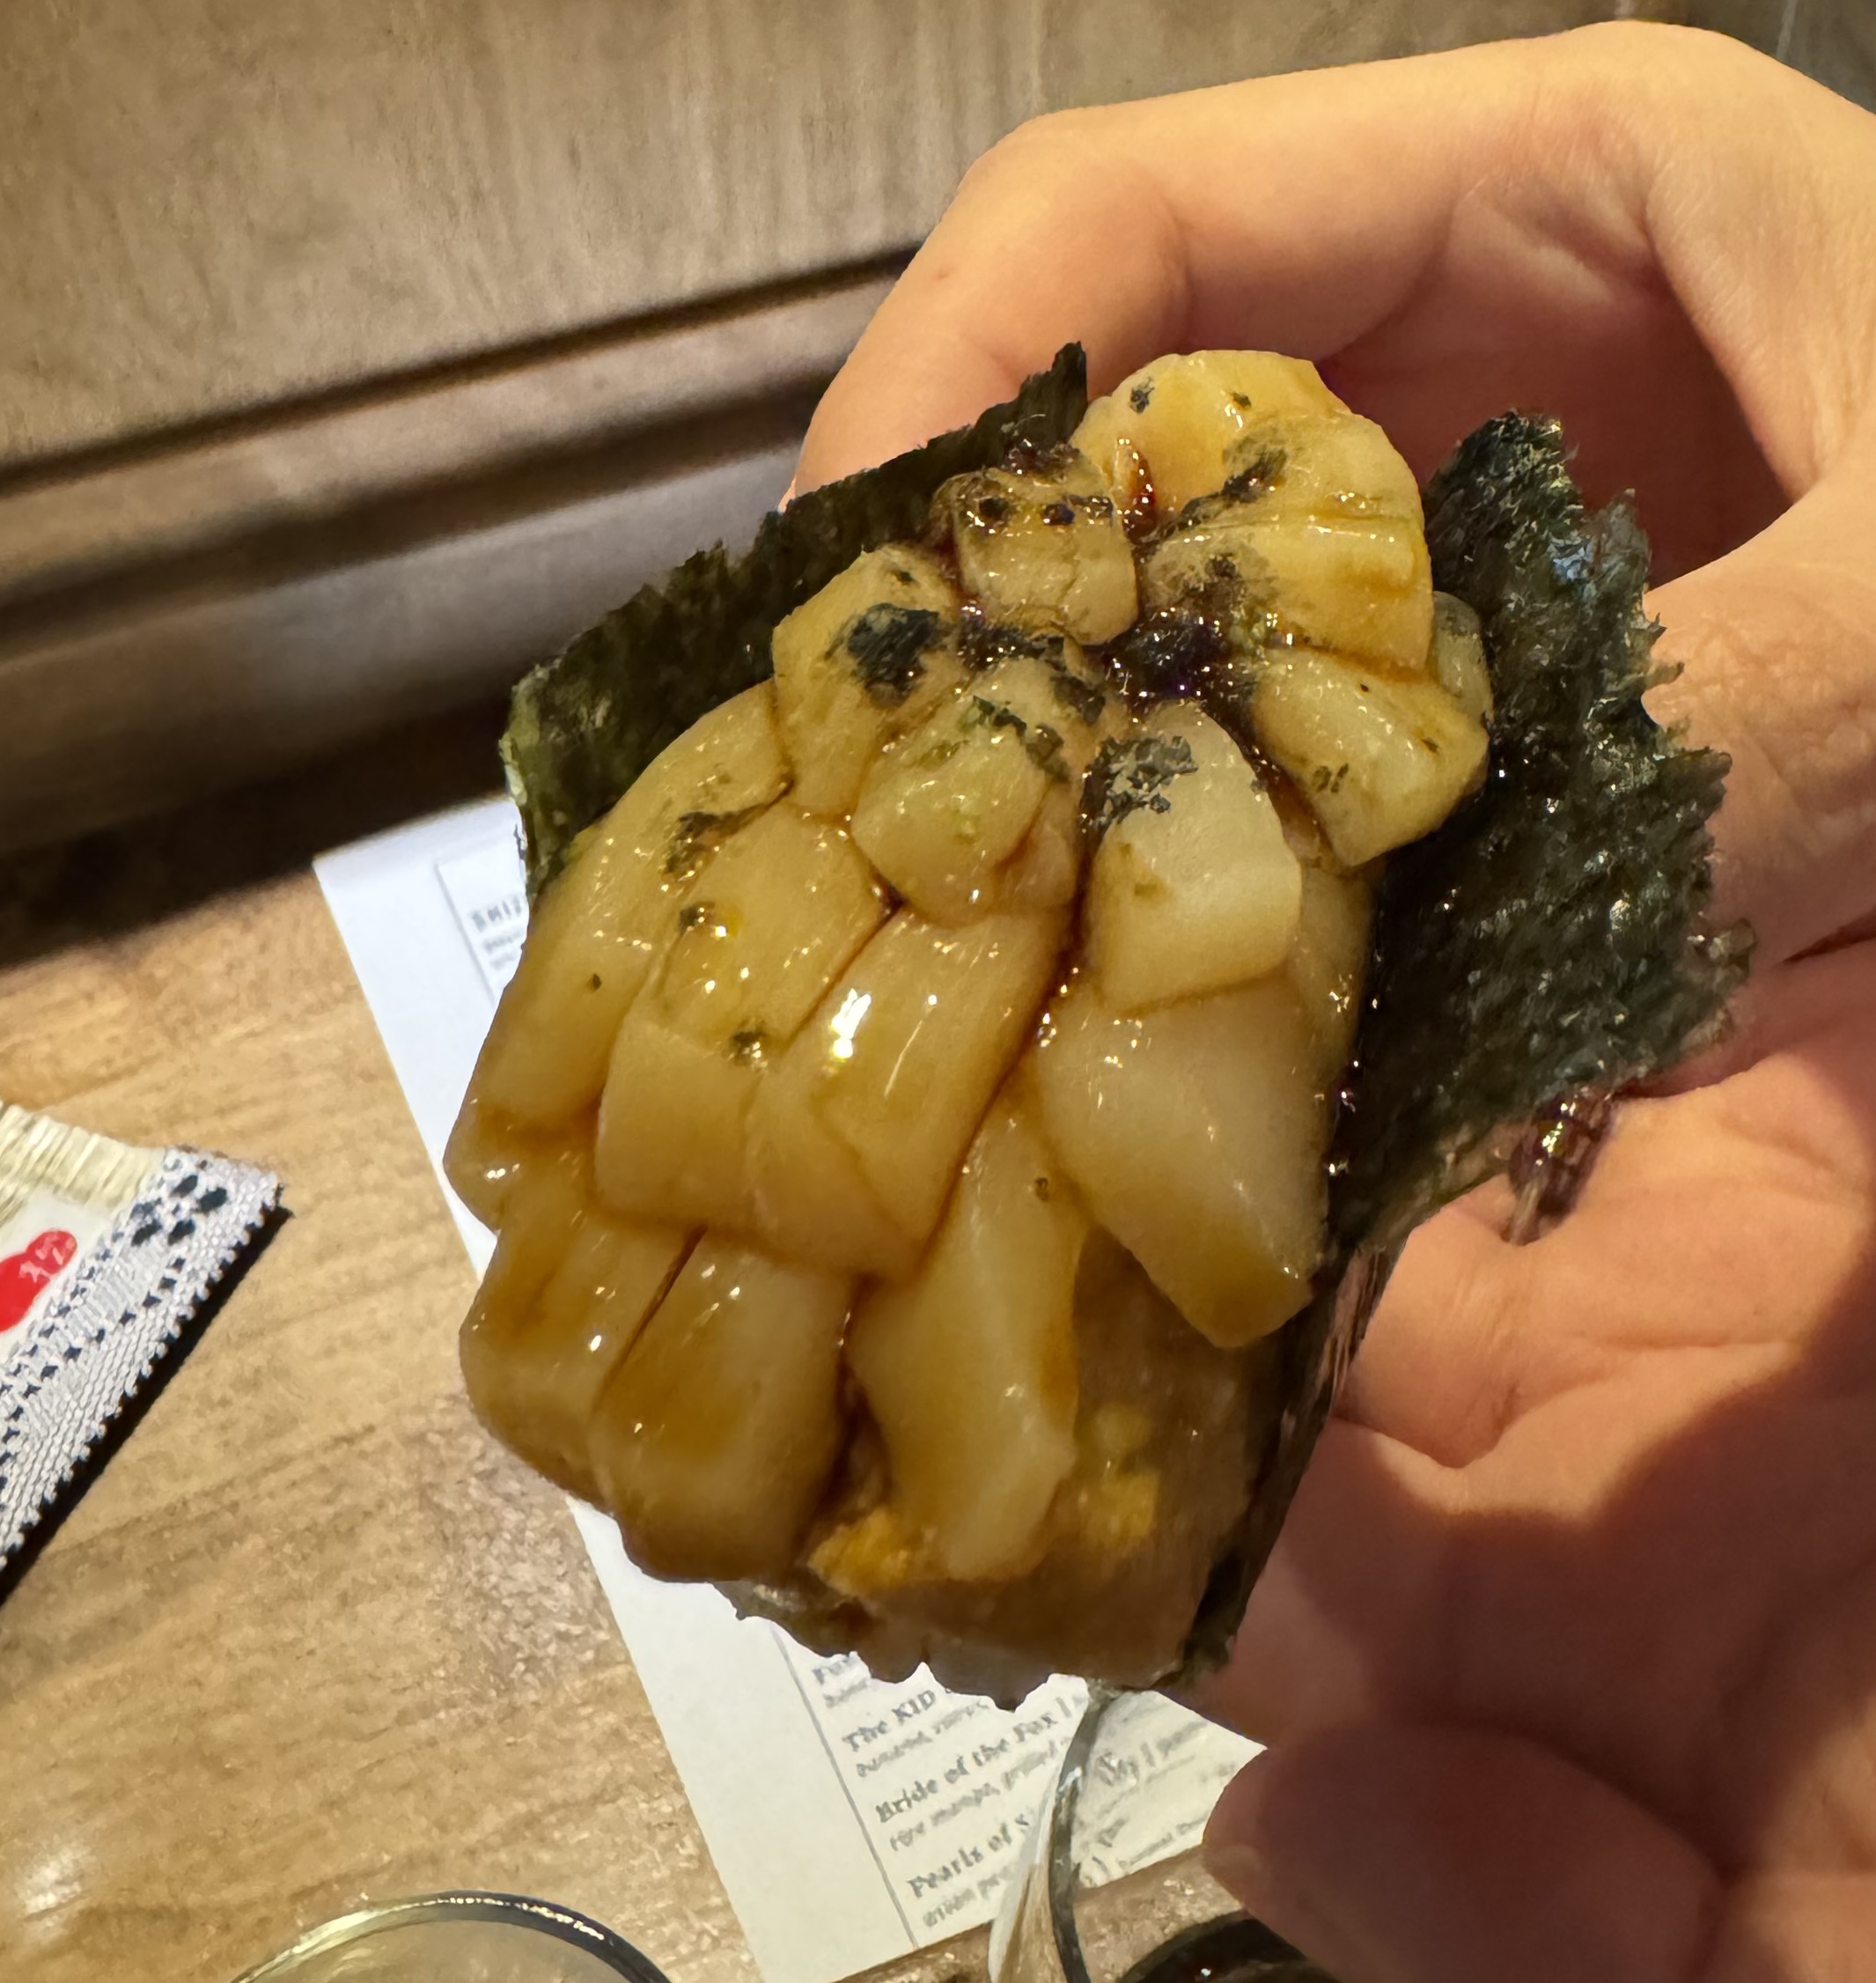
x: 906, y: 1129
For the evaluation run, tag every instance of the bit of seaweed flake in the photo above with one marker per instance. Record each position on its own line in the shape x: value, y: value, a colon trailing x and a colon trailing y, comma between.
x: 585, y: 724
x: 984, y: 642
x: 1058, y: 513
x: 1174, y: 652
x: 1142, y: 396
x: 1042, y: 744
x: 1028, y: 458
x: 1244, y: 490
x: 940, y: 750
x: 1082, y: 699
x: 1130, y: 775
x: 985, y: 714
x: 1259, y: 478
x: 888, y: 643
x: 693, y: 835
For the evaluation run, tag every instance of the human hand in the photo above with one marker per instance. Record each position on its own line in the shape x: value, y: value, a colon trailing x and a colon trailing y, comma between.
x: 1568, y: 1650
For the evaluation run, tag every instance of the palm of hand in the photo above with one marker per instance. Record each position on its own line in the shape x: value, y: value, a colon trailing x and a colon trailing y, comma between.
x: 1613, y: 1495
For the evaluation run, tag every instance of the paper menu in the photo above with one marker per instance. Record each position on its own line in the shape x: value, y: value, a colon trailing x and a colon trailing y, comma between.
x: 840, y: 1842
x: 489, y: 896
x: 850, y: 1821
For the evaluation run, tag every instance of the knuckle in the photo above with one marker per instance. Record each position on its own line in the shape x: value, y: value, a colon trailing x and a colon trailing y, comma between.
x: 1040, y: 149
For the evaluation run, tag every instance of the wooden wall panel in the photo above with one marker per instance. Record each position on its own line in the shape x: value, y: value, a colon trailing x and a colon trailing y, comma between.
x: 211, y: 205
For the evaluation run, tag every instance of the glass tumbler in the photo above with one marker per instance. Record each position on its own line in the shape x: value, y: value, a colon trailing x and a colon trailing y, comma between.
x: 1167, y: 1922
x: 458, y: 1938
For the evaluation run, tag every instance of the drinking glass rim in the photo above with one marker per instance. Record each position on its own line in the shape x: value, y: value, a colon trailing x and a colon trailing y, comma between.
x: 1201, y: 1949
x: 548, y: 1918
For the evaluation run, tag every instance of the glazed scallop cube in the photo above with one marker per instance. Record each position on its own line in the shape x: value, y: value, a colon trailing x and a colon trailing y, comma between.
x: 969, y: 1369
x: 1358, y: 586
x: 1379, y: 761
x: 487, y: 1153
x: 906, y: 1051
x: 565, y: 1297
x: 862, y: 662
x: 1330, y: 467
x: 717, y: 1436
x: 1196, y: 889
x: 917, y: 1037
x: 810, y: 1199
x: 761, y: 935
x: 1044, y: 549
x: 764, y: 931
x: 535, y: 1372
x: 1195, y: 1134
x: 609, y: 917
x: 944, y: 812
x: 673, y: 1137
x: 1182, y: 422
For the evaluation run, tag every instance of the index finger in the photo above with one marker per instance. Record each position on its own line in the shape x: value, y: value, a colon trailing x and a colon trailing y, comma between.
x: 1575, y: 225
x: 1137, y: 229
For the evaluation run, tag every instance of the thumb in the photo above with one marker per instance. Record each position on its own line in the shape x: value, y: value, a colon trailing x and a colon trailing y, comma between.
x: 1394, y: 1854
x: 1779, y: 662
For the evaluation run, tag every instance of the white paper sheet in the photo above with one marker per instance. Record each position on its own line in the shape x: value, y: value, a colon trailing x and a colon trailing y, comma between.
x: 852, y: 1821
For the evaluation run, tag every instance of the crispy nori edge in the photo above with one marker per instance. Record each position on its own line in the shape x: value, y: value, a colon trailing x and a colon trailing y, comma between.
x: 583, y: 726
x: 1552, y: 937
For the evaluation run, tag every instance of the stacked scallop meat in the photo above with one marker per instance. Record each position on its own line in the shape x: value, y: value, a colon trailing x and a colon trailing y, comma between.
x: 907, y: 1127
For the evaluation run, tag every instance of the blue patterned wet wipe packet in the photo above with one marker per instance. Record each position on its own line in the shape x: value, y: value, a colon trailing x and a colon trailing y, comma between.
x: 112, y: 1258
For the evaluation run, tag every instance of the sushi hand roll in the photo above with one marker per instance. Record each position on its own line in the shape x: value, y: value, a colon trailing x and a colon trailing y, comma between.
x: 961, y: 1094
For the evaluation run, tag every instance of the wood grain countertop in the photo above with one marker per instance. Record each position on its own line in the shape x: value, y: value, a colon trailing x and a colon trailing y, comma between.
x: 311, y: 1639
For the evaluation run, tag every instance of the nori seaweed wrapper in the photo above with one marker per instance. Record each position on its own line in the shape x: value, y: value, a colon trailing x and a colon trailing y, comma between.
x: 1551, y: 939
x: 1553, y: 936
x: 587, y: 722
